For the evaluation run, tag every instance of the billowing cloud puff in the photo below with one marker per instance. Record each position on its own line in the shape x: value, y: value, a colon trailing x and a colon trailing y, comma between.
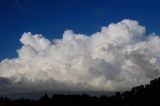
x: 117, y: 58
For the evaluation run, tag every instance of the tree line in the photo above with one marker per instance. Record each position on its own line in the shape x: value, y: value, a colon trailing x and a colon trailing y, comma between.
x: 143, y: 95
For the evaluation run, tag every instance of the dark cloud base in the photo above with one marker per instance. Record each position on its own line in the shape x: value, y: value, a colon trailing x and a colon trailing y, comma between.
x: 138, y: 96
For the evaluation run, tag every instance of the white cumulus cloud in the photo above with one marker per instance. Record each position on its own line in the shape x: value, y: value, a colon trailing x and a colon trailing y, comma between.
x: 117, y: 58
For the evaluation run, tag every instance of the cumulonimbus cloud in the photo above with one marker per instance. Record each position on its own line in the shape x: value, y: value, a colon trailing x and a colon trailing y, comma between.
x: 117, y: 58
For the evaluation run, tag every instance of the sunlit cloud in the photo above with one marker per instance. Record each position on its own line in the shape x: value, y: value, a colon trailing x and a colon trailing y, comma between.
x: 117, y: 58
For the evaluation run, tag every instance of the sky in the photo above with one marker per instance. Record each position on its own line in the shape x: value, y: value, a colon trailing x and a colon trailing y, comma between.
x: 76, y: 46
x: 52, y: 17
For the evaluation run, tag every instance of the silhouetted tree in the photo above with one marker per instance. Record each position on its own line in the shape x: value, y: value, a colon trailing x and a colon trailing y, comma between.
x: 142, y: 95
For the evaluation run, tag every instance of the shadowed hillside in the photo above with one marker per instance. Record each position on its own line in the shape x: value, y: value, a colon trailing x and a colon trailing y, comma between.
x: 143, y: 95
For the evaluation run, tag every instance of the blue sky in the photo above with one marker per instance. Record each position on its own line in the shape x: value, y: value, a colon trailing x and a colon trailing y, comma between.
x: 52, y: 17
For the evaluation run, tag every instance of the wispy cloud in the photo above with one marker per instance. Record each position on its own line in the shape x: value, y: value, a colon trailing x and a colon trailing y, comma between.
x: 22, y: 4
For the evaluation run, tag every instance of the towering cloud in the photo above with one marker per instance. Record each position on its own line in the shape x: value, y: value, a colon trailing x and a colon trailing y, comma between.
x: 117, y: 58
